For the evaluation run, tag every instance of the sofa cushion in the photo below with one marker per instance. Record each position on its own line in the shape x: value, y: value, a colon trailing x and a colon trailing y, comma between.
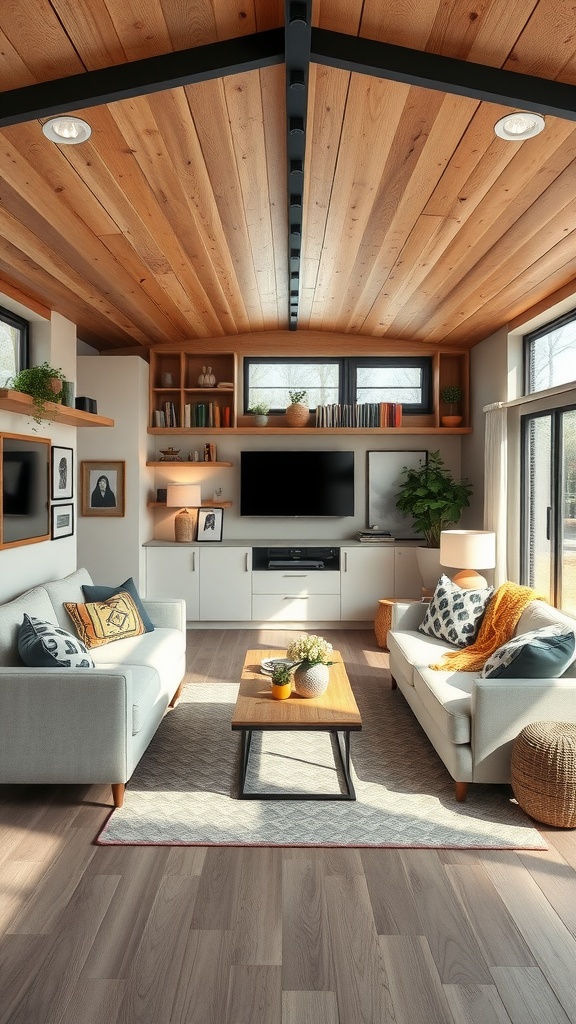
x: 543, y: 653
x: 102, y: 622
x: 41, y: 644
x: 447, y: 698
x: 409, y: 648
x: 155, y: 650
x: 33, y: 602
x: 102, y: 593
x: 69, y: 588
x: 454, y: 614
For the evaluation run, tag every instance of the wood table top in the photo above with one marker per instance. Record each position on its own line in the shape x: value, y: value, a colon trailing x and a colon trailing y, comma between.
x: 256, y: 707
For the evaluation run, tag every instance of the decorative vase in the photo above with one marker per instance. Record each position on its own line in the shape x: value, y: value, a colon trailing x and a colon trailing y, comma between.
x: 260, y: 420
x: 297, y: 415
x: 311, y: 680
x: 428, y: 560
x: 281, y: 692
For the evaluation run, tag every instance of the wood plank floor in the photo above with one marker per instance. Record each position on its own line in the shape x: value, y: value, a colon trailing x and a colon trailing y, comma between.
x: 99, y: 935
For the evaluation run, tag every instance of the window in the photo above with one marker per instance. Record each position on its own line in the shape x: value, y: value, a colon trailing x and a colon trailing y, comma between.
x: 13, y: 345
x: 345, y: 380
x: 550, y: 354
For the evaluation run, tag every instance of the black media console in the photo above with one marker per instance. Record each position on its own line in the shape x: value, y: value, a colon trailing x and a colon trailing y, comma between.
x: 310, y: 558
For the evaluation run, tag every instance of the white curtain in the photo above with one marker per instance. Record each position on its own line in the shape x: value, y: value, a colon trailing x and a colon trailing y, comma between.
x: 495, y: 483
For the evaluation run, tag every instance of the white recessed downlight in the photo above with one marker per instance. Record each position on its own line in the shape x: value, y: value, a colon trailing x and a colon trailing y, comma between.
x: 67, y: 131
x: 522, y: 124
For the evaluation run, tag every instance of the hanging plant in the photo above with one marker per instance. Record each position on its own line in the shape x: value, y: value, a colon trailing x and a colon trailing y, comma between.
x: 44, y: 384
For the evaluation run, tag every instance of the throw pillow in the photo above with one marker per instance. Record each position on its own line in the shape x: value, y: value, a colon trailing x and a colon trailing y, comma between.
x: 99, y: 593
x: 454, y: 614
x: 43, y: 645
x: 100, y: 622
x: 544, y: 653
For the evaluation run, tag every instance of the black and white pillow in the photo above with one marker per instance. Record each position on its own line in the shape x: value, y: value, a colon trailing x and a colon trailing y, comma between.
x: 543, y: 653
x: 43, y: 645
x: 455, y: 615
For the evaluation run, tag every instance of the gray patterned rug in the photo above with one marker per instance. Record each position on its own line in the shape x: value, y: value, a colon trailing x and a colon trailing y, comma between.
x: 183, y: 790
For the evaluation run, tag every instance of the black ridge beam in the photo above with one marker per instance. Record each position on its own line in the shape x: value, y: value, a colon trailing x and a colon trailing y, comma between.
x: 297, y: 33
x: 446, y: 74
x: 140, y: 77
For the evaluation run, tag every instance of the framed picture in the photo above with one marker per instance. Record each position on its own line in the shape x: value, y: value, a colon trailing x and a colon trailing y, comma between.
x: 62, y: 521
x: 62, y: 473
x: 384, y: 477
x: 210, y: 522
x: 103, y: 488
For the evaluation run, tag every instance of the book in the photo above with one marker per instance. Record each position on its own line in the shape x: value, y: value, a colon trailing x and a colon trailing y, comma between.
x: 375, y: 537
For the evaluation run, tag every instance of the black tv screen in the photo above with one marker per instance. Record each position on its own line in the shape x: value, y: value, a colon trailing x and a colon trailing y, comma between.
x: 305, y: 483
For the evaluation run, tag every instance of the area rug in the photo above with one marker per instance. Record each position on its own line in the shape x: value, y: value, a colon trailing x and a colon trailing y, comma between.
x: 184, y: 789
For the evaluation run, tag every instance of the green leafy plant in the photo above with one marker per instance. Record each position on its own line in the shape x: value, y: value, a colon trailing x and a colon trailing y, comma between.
x: 452, y: 395
x: 297, y: 397
x: 309, y: 649
x: 432, y: 497
x: 282, y: 674
x: 259, y: 409
x: 37, y: 381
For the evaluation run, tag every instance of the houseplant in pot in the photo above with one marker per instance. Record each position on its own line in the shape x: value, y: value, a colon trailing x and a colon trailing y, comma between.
x: 435, y: 501
x: 297, y: 412
x: 44, y: 384
x: 282, y: 681
x: 260, y: 412
x: 451, y: 396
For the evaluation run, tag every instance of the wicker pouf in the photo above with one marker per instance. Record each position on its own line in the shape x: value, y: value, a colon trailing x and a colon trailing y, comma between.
x: 383, y: 617
x: 544, y: 772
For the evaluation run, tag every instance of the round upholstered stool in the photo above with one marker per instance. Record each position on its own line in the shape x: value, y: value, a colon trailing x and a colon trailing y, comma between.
x: 544, y: 772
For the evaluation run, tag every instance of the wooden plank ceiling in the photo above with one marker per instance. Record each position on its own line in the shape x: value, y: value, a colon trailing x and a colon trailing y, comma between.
x: 172, y: 221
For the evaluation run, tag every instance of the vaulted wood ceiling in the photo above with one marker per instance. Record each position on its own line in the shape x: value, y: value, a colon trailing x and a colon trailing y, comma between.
x: 172, y: 221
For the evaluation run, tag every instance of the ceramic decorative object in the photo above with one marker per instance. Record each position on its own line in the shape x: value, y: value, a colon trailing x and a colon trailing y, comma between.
x: 206, y: 379
x: 297, y: 412
x: 311, y: 680
x: 260, y: 420
x: 167, y: 380
x: 281, y: 692
x: 451, y: 421
x: 202, y: 378
x: 170, y: 455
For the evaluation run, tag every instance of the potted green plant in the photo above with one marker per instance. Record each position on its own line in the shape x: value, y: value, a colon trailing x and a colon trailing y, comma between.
x: 311, y: 657
x: 435, y: 501
x: 260, y: 412
x: 282, y: 681
x: 297, y: 412
x: 44, y: 384
x: 451, y: 396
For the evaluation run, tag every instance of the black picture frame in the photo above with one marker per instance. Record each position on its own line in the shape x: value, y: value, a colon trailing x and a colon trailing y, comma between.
x: 61, y: 521
x: 61, y: 473
x: 209, y: 525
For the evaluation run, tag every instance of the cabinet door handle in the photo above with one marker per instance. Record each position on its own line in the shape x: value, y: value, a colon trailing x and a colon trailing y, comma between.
x: 295, y: 576
x: 247, y: 568
x: 193, y: 561
x: 290, y: 597
x: 345, y: 561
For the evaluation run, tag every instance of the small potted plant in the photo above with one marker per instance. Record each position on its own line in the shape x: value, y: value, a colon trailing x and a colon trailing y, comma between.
x: 44, y: 384
x: 451, y: 396
x: 282, y: 681
x: 297, y: 412
x: 260, y: 412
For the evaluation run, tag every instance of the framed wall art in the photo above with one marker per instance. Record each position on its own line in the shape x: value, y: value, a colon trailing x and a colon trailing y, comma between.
x: 210, y: 523
x: 102, y: 488
x: 61, y: 473
x: 62, y: 521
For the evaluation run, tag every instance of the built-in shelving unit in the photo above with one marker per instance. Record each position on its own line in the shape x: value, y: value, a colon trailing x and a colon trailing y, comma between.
x: 16, y: 401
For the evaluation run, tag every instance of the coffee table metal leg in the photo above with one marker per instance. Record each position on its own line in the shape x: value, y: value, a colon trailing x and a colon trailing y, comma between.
x: 342, y: 758
x: 244, y: 755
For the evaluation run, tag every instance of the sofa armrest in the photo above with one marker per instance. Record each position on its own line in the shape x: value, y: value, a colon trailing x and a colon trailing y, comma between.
x: 65, y: 725
x: 502, y: 707
x: 409, y: 615
x: 168, y: 614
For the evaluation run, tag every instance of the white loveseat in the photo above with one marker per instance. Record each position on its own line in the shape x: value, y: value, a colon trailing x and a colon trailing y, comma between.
x: 471, y: 721
x: 85, y: 725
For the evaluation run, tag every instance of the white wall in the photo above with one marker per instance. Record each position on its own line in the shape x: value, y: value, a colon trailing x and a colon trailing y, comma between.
x: 488, y: 384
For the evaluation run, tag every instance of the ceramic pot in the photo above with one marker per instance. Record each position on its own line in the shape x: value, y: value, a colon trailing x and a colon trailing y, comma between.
x: 260, y: 421
x: 311, y: 680
x: 451, y: 421
x: 297, y: 415
x: 281, y: 692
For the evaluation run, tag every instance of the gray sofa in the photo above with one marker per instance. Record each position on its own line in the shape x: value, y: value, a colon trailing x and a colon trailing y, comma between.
x: 85, y: 725
x: 471, y: 721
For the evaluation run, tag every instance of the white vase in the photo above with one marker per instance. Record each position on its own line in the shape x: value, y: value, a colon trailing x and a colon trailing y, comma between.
x: 428, y: 560
x: 260, y: 420
x: 311, y: 680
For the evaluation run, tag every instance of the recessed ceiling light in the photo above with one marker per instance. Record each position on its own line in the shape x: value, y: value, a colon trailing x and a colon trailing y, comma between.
x: 523, y: 124
x: 67, y: 131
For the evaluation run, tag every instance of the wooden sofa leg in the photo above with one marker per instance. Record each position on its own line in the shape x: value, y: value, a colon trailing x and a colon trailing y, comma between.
x: 176, y: 696
x: 394, y: 683
x: 118, y: 793
x: 461, y: 791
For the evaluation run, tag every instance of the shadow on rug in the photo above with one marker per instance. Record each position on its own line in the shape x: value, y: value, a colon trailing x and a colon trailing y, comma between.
x: 183, y: 792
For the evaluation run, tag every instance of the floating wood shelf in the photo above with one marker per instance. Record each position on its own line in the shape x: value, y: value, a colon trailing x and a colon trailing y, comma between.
x: 16, y: 401
x: 275, y: 431
x: 188, y: 463
x: 205, y: 504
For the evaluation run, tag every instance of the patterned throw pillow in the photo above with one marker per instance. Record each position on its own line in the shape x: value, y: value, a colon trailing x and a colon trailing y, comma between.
x: 542, y: 654
x: 101, y: 593
x: 101, y: 622
x: 43, y: 645
x: 454, y: 614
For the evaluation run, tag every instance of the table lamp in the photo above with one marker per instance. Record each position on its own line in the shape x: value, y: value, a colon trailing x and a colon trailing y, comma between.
x: 468, y: 550
x: 184, y: 496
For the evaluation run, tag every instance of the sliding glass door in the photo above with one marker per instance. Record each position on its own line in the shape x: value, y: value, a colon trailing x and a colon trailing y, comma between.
x: 549, y: 505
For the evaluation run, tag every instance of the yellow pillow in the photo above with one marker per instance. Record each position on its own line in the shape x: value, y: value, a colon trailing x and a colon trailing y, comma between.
x: 103, y: 621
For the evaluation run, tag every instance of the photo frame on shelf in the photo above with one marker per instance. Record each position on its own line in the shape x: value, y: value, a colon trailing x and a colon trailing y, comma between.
x: 61, y: 521
x: 209, y: 524
x: 61, y: 473
x: 384, y: 476
x: 103, y: 488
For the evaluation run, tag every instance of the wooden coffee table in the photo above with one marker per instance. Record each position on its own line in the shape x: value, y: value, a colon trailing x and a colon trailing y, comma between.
x: 257, y: 710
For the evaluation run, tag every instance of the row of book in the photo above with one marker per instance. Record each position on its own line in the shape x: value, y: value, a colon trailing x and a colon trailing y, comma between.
x: 363, y: 414
x: 196, y: 414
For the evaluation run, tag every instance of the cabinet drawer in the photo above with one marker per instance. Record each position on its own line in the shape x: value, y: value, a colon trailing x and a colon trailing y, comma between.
x: 294, y: 581
x: 289, y: 608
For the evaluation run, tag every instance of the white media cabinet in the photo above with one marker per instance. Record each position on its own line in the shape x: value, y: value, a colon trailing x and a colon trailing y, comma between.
x: 222, y: 583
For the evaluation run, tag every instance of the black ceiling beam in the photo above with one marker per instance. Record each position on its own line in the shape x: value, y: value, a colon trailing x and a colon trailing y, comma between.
x: 445, y: 74
x: 141, y: 77
x: 297, y: 32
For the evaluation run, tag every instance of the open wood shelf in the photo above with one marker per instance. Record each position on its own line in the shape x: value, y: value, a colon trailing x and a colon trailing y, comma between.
x: 189, y: 463
x: 204, y: 504
x: 275, y: 431
x: 16, y: 401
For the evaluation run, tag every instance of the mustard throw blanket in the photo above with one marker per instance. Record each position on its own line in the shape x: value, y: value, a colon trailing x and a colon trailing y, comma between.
x: 504, y: 609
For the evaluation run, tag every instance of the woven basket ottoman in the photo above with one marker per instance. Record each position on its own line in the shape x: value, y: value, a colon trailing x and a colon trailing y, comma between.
x: 544, y: 772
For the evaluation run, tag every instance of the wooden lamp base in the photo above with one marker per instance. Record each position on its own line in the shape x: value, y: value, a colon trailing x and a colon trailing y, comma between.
x: 469, y: 579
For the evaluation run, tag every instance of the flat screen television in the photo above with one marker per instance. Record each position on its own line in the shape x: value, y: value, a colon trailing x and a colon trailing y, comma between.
x: 302, y: 483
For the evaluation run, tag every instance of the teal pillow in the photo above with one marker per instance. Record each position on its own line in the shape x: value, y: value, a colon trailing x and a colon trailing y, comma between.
x: 544, y: 653
x: 43, y: 645
x: 97, y: 593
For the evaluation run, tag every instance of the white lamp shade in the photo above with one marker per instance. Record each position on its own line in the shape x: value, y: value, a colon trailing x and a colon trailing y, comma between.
x: 468, y: 549
x: 183, y: 495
